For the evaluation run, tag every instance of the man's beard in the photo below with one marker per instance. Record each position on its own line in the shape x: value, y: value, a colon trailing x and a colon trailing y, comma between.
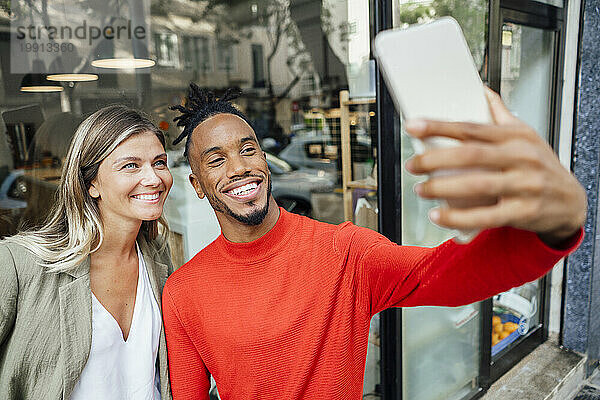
x: 256, y: 217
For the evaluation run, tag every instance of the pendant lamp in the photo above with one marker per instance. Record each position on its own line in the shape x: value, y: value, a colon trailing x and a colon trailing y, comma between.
x: 36, y: 82
x: 70, y: 68
x: 128, y: 51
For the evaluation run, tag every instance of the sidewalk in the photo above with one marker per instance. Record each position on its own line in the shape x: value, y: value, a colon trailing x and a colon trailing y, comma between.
x: 548, y: 373
x: 590, y: 389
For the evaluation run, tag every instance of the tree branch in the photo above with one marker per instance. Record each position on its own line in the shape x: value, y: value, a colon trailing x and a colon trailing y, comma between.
x: 33, y: 8
x: 288, y: 88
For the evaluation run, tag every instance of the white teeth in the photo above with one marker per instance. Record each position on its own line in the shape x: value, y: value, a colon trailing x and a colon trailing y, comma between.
x: 244, y: 189
x: 147, y: 196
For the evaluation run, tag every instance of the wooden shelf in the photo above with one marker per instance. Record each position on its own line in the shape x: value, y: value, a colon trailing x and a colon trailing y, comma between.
x: 358, y: 102
x: 362, y: 184
x: 348, y: 185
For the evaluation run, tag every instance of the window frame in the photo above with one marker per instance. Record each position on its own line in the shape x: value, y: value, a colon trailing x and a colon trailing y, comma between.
x: 525, y: 12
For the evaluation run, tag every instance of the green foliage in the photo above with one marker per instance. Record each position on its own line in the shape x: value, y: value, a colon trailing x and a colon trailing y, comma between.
x: 5, y: 6
x: 472, y: 17
x: 414, y: 13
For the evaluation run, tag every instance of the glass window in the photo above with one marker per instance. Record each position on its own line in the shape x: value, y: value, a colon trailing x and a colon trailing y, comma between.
x: 527, y: 74
x: 196, y: 54
x: 203, y: 54
x: 526, y: 87
x: 258, y: 66
x: 440, y: 345
x: 470, y: 14
x: 291, y: 60
x: 225, y: 56
x: 189, y: 52
x: 167, y: 52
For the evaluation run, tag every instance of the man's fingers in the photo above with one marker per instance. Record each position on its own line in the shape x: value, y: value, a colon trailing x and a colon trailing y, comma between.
x: 423, y: 129
x: 471, y: 185
x: 505, y: 127
x: 514, y: 177
x: 504, y: 213
x: 477, y: 155
x: 480, y: 186
x: 500, y: 114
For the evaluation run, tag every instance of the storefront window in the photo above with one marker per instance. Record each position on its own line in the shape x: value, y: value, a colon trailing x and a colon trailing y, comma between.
x: 292, y: 59
x: 167, y: 52
x: 526, y: 87
x: 225, y: 56
x: 196, y: 53
x: 440, y: 345
x: 470, y: 14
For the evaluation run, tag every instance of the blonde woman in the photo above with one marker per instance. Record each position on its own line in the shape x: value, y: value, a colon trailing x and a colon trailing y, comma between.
x: 80, y: 297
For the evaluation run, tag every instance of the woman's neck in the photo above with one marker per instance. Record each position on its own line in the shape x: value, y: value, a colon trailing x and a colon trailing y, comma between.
x: 118, y: 244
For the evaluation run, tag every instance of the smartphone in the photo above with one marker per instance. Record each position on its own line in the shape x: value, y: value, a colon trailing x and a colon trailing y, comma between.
x: 430, y: 74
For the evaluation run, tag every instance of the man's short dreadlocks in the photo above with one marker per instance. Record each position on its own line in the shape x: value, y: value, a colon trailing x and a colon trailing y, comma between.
x: 200, y: 105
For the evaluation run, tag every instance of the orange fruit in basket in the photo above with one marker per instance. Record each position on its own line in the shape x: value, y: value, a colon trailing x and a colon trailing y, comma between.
x: 495, y: 339
x: 498, y: 328
x: 504, y: 334
x: 510, y: 327
x: 496, y: 320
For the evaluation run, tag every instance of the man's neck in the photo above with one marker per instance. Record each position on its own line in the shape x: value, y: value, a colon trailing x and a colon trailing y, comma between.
x: 237, y: 232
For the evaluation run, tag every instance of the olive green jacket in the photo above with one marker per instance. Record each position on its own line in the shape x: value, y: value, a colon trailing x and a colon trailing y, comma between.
x: 46, y: 323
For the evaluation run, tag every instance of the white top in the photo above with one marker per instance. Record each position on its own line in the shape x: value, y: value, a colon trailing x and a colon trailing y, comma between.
x: 119, y: 369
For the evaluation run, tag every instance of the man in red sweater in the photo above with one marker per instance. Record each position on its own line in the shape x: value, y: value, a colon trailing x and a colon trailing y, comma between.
x: 278, y: 307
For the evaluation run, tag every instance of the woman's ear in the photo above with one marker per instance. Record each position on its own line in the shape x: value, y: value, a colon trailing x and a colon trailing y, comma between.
x: 94, y: 192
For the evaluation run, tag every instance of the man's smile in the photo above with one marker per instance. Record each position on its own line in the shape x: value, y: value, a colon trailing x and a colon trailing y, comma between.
x: 244, y: 190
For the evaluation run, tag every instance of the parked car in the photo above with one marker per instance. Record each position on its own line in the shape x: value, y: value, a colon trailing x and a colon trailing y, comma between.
x: 292, y: 186
x: 321, y: 152
x: 12, y: 202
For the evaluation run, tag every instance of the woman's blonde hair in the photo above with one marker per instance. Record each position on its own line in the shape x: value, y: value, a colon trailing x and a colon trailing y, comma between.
x: 73, y: 228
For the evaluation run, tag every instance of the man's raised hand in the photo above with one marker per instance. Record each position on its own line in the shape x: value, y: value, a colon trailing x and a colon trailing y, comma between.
x: 507, y: 166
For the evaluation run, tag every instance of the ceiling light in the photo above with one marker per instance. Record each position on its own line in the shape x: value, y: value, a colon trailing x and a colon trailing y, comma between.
x: 41, y: 89
x: 37, y: 83
x: 72, y: 77
x: 123, y: 63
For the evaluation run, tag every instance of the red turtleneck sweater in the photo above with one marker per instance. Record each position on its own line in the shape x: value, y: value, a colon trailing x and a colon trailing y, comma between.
x: 287, y: 316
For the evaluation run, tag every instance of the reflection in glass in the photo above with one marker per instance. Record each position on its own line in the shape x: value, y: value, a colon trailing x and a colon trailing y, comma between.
x: 440, y: 345
x: 556, y: 3
x: 196, y: 53
x: 470, y: 14
x: 291, y: 58
x: 526, y: 78
x: 166, y: 49
x: 526, y: 88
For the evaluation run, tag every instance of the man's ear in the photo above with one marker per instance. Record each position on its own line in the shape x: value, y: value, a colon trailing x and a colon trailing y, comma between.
x: 93, y: 191
x: 196, y: 185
